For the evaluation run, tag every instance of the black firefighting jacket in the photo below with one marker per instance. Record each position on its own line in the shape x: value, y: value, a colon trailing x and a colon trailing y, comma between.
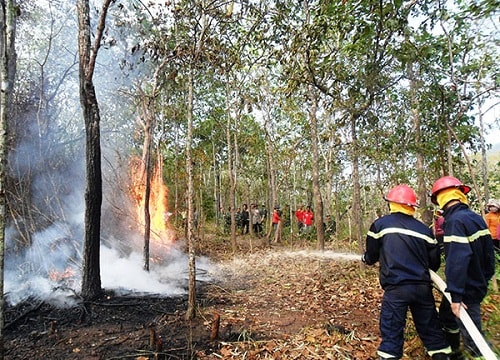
x: 404, y: 247
x: 470, y: 258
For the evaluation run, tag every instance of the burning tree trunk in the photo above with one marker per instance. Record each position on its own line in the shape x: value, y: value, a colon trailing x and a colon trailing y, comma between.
x: 148, y: 122
x: 7, y: 74
x: 147, y: 214
x: 91, y: 280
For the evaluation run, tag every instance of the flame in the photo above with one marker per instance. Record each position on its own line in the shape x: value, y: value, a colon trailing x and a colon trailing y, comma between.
x: 59, y: 276
x: 158, y: 207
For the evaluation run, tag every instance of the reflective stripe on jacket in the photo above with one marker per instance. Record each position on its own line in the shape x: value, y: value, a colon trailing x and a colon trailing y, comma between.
x: 470, y: 258
x: 404, y: 247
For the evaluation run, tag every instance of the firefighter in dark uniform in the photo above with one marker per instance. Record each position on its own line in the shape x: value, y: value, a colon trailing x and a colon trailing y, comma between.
x: 405, y: 249
x: 470, y: 261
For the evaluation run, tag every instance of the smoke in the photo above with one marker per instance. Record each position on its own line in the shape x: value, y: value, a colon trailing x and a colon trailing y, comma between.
x: 44, y: 239
x: 47, y: 264
x: 50, y: 270
x: 169, y: 277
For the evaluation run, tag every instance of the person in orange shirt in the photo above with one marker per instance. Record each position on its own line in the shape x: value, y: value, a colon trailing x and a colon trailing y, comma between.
x: 492, y: 219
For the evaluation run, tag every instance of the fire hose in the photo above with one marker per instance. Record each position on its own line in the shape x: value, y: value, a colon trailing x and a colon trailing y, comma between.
x: 473, y: 331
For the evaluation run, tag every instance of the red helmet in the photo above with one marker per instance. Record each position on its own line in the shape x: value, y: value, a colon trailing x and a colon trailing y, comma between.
x: 447, y: 182
x: 402, y: 194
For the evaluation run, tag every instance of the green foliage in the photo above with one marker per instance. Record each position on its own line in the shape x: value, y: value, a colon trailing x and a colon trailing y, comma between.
x: 253, y: 65
x: 491, y: 324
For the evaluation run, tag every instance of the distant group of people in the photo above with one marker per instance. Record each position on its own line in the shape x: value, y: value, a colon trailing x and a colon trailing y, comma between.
x: 244, y: 216
x: 407, y: 249
x: 256, y: 217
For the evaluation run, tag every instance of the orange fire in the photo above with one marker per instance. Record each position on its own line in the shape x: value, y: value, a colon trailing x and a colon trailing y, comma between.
x: 59, y: 276
x: 158, y: 207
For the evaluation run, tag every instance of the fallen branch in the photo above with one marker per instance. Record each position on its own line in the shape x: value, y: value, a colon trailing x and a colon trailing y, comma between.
x: 23, y: 315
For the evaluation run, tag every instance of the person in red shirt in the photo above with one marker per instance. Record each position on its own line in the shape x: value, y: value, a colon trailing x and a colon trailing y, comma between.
x: 308, y: 218
x: 299, y: 215
x: 276, y: 220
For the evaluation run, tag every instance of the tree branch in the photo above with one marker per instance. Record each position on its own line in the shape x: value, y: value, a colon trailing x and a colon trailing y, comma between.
x: 97, y: 43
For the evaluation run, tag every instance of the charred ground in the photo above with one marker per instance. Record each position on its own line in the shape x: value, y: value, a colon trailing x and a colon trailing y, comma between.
x: 266, y: 303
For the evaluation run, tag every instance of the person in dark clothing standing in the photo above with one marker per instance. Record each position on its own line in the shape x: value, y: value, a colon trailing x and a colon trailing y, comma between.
x: 470, y: 262
x: 405, y: 249
x: 245, y: 219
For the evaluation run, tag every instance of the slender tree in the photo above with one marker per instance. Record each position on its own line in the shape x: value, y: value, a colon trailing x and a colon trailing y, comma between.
x: 191, y: 310
x: 7, y: 74
x: 148, y: 121
x: 231, y: 169
x: 318, y: 199
x: 91, y: 281
x: 421, y: 188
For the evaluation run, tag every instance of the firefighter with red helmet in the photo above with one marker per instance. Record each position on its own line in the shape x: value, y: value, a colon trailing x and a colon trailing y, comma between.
x: 470, y: 261
x: 405, y: 249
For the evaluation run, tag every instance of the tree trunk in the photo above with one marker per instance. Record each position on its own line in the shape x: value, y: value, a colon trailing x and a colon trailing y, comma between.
x: 146, y: 175
x: 147, y: 196
x: 357, y: 213
x: 7, y: 75
x: 421, y: 188
x: 271, y: 170
x: 148, y: 122
x: 217, y: 196
x: 484, y: 157
x: 318, y: 200
x: 231, y: 170
x: 91, y: 279
x: 191, y: 310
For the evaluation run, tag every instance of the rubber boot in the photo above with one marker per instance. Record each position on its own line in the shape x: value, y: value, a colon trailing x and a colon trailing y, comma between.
x: 454, y: 341
x: 440, y: 356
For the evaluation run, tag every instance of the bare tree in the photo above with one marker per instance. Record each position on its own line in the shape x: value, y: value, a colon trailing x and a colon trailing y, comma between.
x: 91, y: 280
x: 7, y: 74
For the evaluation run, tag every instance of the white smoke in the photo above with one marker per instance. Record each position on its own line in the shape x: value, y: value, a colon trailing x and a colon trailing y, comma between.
x: 48, y: 160
x: 125, y: 275
x: 51, y: 271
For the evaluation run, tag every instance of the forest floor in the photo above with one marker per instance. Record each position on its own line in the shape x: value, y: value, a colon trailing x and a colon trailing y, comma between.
x: 279, y: 302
